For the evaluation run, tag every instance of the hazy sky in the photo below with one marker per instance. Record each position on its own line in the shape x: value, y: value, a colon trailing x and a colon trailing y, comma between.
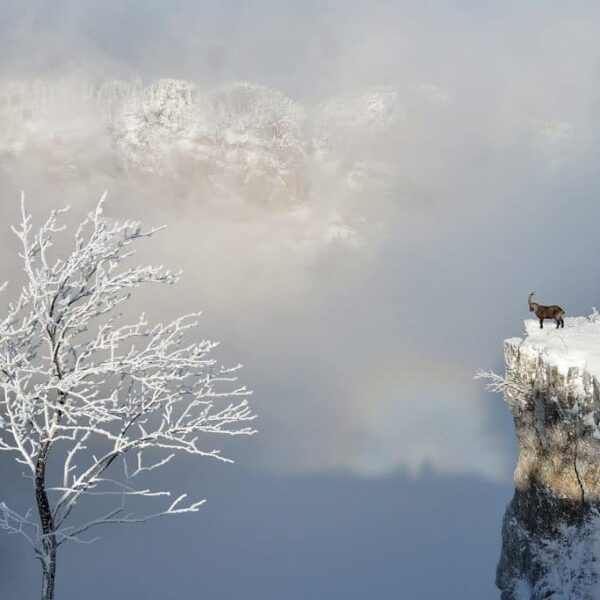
x: 379, y: 459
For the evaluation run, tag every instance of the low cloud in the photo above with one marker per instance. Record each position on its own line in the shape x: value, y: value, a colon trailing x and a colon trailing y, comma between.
x: 360, y: 228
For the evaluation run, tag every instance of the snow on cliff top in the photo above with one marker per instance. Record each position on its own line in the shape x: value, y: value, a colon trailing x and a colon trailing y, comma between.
x: 575, y: 345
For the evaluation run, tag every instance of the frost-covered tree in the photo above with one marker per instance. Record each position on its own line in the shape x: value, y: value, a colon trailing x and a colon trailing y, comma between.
x: 91, y: 405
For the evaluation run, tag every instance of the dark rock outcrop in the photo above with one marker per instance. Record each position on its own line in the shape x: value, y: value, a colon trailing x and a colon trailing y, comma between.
x: 549, y: 533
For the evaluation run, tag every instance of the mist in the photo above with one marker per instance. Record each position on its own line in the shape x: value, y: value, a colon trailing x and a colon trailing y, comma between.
x: 438, y: 165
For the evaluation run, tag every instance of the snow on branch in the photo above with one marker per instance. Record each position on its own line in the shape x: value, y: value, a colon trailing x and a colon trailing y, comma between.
x: 497, y: 384
x: 109, y: 402
x: 15, y: 523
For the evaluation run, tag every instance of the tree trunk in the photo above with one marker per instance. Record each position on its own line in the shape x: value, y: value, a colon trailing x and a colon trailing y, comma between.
x: 47, y: 522
x: 41, y: 496
x: 49, y: 572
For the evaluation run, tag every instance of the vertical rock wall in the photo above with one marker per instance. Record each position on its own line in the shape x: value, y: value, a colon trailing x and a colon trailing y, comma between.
x: 549, y: 533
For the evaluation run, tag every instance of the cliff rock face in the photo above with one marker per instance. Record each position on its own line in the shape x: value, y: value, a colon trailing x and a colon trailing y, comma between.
x: 242, y: 137
x: 238, y: 139
x: 550, y: 530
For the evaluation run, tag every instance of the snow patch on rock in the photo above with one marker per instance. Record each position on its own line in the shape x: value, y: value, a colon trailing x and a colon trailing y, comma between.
x: 577, y: 345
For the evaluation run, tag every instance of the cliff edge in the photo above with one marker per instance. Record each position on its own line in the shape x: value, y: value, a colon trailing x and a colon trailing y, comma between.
x: 550, y: 530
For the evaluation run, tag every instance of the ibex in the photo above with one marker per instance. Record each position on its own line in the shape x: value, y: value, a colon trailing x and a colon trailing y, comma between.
x: 547, y: 312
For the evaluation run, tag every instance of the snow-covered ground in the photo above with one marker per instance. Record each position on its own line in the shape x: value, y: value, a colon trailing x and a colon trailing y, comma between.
x: 576, y: 345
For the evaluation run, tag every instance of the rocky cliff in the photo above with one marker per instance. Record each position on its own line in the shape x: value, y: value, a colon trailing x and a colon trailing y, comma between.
x: 550, y: 530
x: 238, y: 139
x: 329, y: 170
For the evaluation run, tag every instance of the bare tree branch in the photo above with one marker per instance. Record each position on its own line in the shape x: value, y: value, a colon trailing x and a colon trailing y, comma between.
x: 79, y: 385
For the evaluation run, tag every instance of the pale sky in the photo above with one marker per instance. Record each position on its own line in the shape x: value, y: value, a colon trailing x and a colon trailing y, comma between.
x: 378, y: 458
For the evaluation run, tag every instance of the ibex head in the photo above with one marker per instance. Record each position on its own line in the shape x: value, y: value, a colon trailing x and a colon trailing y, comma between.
x: 531, y: 304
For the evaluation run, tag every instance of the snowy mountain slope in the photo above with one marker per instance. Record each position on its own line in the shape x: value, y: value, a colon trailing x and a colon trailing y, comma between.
x: 326, y: 166
x: 244, y: 136
x: 248, y: 127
